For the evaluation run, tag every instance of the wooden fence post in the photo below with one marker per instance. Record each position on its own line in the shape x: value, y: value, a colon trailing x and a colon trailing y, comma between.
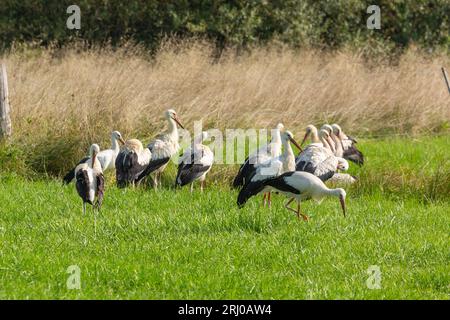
x: 444, y: 72
x: 5, y: 118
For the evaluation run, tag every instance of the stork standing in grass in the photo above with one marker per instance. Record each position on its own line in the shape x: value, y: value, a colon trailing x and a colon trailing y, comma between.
x: 320, y: 160
x: 274, y: 167
x: 162, y: 149
x: 195, y: 163
x: 299, y: 186
x: 350, y: 151
x: 131, y: 162
x: 268, y: 151
x: 90, y: 183
x: 107, y: 158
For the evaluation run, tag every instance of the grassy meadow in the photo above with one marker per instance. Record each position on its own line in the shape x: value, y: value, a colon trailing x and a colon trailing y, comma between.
x: 173, y: 244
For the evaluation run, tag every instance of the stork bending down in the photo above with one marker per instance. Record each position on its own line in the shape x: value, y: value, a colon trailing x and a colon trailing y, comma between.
x: 296, y: 185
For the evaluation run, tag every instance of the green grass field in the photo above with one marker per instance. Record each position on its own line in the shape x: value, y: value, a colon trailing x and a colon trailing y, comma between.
x: 172, y: 244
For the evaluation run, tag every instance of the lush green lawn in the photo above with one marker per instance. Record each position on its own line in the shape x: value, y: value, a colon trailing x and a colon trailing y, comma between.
x: 171, y: 244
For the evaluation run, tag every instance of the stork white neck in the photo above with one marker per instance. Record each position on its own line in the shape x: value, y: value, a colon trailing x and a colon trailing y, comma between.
x: 94, y: 163
x: 339, y: 150
x: 314, y: 135
x: 173, y: 129
x: 325, y: 142
x: 115, y: 144
x: 276, y: 138
x: 275, y: 143
x: 332, y: 192
x: 288, y: 156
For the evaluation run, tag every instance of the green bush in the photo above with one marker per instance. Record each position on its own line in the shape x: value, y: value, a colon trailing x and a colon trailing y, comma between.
x: 326, y: 23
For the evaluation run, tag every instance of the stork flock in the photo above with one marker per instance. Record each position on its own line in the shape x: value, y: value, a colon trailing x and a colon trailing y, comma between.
x: 273, y: 168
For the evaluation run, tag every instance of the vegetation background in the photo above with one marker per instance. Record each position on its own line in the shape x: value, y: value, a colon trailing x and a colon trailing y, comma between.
x: 298, y: 23
x: 232, y: 64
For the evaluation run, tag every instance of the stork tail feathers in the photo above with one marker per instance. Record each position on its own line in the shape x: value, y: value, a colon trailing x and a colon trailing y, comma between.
x: 71, y: 174
x: 152, y: 166
x: 355, y: 156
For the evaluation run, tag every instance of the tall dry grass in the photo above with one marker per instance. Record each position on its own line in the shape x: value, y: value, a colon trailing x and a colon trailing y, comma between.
x: 63, y: 100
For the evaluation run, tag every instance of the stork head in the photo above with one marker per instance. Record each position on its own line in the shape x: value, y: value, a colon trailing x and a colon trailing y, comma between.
x: 288, y: 136
x: 336, y: 129
x: 342, y: 195
x: 93, y: 151
x: 324, y: 134
x: 116, y: 135
x: 342, y: 164
x: 280, y: 127
x: 309, y: 129
x: 328, y: 128
x: 171, y: 114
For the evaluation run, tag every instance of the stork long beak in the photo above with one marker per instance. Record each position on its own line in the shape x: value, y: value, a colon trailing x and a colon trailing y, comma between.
x: 121, y: 140
x: 94, y: 155
x: 296, y: 144
x: 178, y: 122
x: 304, y: 138
x: 342, y: 200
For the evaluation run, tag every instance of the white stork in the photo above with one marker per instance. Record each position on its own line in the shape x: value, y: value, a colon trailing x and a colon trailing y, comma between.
x: 350, y: 151
x: 195, y: 163
x: 162, y: 149
x: 106, y: 157
x: 275, y: 166
x: 131, y: 162
x: 320, y: 160
x: 90, y: 183
x: 296, y: 185
x: 268, y: 151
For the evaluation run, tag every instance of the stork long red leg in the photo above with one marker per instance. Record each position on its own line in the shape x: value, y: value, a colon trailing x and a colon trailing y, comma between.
x: 297, y: 212
x: 305, y: 217
x: 286, y: 205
